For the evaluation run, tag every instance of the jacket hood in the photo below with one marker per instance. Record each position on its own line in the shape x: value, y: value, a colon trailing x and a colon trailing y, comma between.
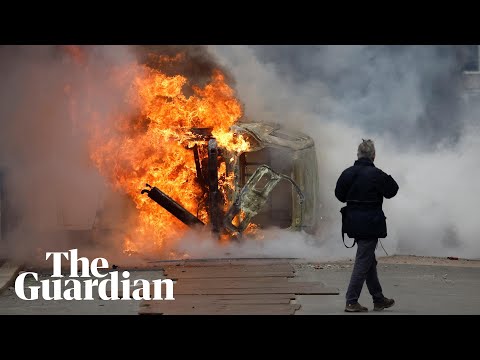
x: 363, y: 162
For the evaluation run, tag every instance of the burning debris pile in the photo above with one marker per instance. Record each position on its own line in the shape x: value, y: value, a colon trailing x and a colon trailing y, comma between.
x: 165, y: 144
x: 214, y: 198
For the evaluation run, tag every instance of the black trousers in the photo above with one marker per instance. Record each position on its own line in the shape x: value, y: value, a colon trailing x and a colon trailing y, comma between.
x: 364, y: 270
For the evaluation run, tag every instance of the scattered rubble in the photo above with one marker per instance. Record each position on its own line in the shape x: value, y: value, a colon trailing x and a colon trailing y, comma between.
x: 428, y: 260
x: 323, y: 266
x: 389, y: 262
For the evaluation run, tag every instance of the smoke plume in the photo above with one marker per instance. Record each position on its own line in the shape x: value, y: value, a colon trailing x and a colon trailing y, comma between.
x: 52, y: 98
x: 408, y: 99
x: 51, y: 190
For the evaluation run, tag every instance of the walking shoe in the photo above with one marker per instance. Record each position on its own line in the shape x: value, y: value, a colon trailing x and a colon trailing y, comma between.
x: 385, y: 303
x: 355, y: 308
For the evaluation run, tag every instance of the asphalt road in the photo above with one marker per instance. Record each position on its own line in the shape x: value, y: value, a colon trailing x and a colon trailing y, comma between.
x: 417, y: 290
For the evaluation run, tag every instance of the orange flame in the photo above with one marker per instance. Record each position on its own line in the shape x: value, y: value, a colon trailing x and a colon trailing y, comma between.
x: 154, y: 147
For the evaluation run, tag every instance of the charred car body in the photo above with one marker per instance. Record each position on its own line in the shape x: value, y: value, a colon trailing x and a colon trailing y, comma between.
x: 275, y: 182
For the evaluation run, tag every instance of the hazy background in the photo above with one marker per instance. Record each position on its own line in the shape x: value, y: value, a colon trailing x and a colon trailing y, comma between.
x: 408, y: 99
x: 47, y: 98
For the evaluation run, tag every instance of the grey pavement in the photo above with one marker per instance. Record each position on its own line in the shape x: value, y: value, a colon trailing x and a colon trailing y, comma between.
x: 417, y: 290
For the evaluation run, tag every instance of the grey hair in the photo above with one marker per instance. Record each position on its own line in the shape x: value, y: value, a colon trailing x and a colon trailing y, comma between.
x: 366, y: 149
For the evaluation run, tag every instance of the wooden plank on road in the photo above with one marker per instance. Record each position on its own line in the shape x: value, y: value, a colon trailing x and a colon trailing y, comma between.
x: 175, y: 275
x: 242, y: 282
x: 226, y: 299
x: 298, y: 290
x: 274, y: 270
x: 220, y: 309
x: 243, y: 288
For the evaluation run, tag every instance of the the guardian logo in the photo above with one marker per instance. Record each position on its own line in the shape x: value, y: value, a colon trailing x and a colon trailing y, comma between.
x: 73, y: 288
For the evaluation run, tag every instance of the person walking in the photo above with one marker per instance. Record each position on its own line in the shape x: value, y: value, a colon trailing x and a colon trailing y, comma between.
x: 362, y: 187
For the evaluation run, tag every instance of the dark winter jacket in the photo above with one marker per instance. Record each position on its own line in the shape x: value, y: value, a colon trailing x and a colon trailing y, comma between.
x: 363, y: 187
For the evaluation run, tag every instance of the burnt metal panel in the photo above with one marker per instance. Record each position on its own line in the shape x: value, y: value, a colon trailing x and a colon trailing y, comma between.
x: 254, y: 195
x: 172, y: 206
x: 214, y: 195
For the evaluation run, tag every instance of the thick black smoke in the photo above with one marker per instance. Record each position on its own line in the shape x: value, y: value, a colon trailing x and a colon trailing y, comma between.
x: 194, y: 62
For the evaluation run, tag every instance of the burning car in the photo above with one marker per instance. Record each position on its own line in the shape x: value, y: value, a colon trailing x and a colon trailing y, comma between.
x: 171, y: 151
x: 258, y: 194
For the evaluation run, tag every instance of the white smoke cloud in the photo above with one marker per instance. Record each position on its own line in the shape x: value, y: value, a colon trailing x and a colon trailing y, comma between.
x: 275, y: 243
x: 398, y: 96
x: 401, y: 97
x: 49, y: 181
